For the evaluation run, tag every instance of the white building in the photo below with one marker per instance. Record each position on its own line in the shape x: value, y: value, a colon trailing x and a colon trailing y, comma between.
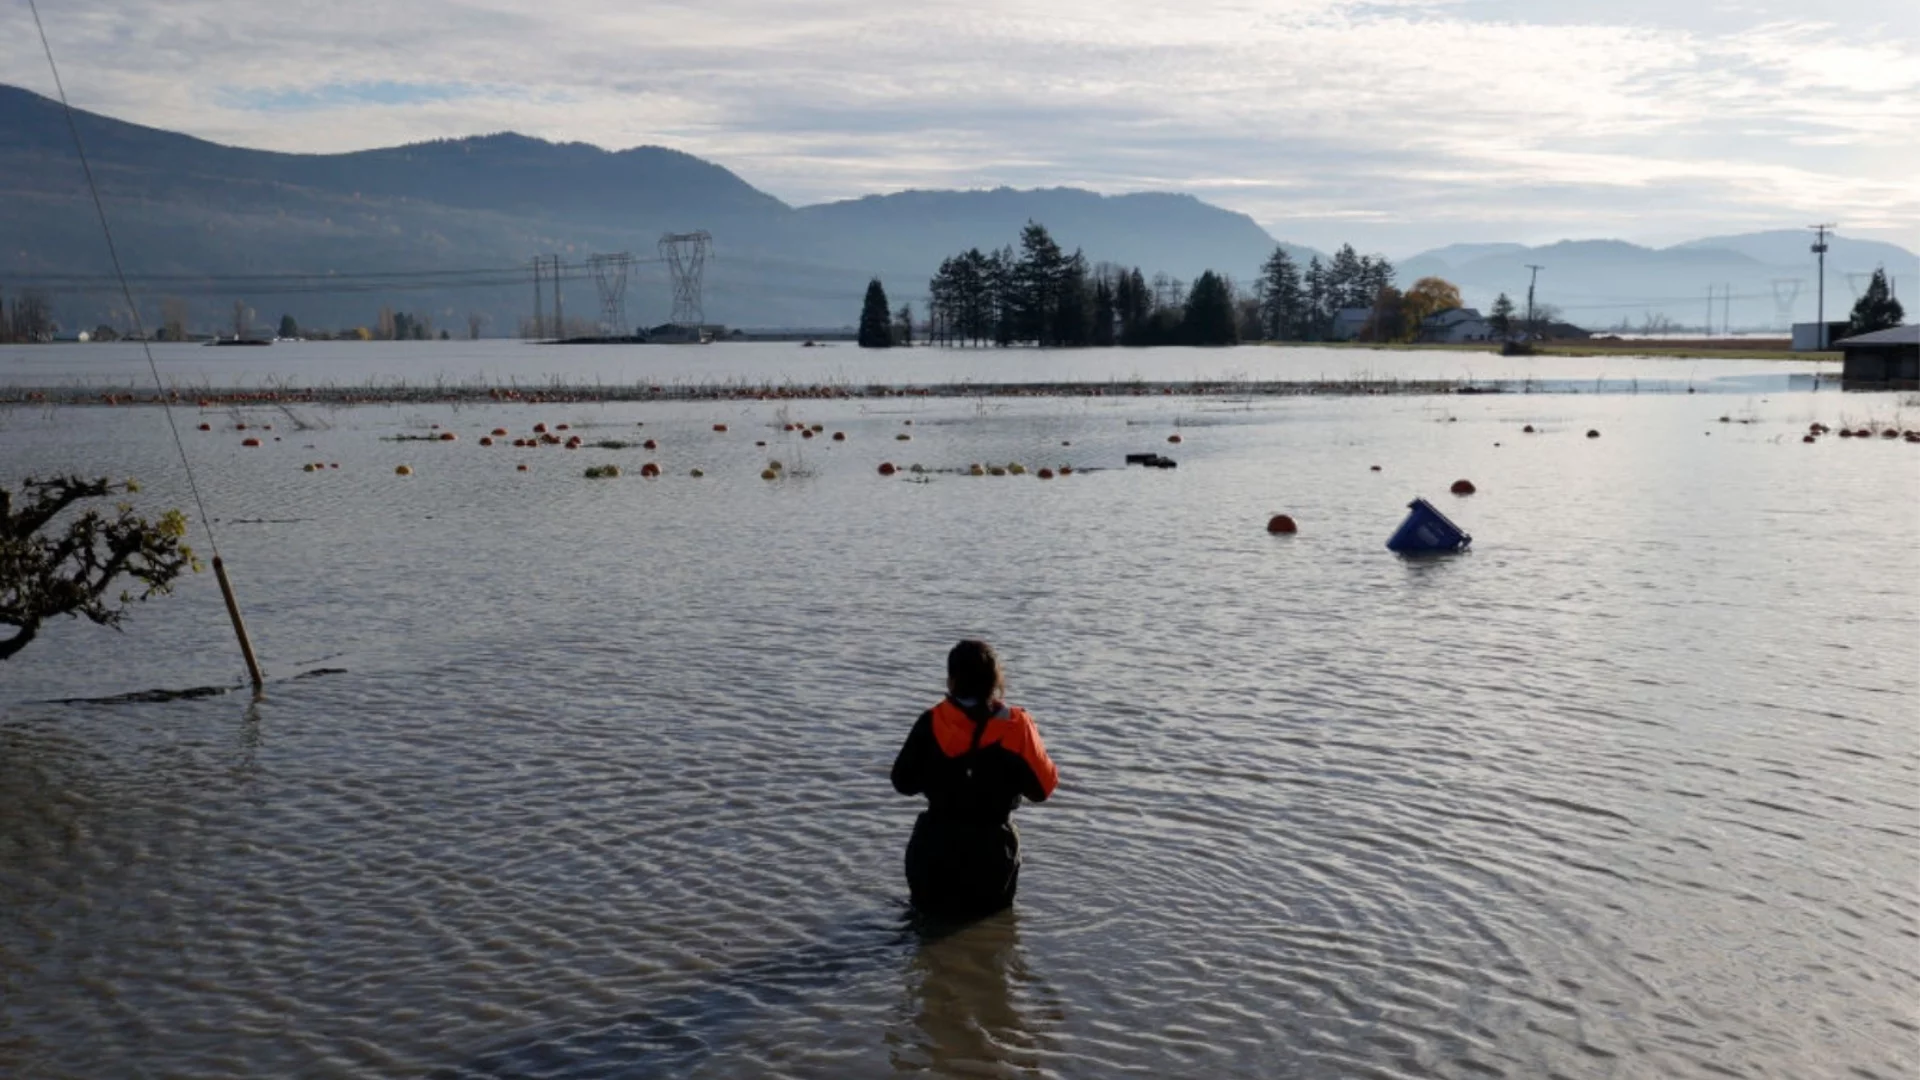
x: 1455, y: 325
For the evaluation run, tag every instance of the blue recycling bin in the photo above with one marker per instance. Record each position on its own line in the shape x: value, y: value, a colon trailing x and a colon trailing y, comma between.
x: 1427, y: 532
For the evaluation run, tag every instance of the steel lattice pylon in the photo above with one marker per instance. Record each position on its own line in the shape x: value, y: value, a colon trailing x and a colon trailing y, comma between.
x: 686, y: 257
x: 610, y: 277
x: 1785, y: 292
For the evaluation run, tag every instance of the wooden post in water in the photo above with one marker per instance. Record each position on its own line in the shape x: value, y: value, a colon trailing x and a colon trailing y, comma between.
x: 239, y: 624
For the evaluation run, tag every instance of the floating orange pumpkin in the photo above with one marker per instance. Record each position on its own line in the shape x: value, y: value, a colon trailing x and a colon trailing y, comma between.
x: 403, y: 470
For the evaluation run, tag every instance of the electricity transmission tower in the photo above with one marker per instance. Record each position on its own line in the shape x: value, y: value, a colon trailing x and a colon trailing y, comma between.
x: 1785, y: 292
x: 686, y: 257
x: 610, y: 278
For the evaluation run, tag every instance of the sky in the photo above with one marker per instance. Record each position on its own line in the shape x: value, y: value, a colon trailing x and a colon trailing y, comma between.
x: 1397, y: 125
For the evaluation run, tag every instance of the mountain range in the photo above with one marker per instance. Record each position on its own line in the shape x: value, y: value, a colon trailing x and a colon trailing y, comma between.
x: 448, y: 228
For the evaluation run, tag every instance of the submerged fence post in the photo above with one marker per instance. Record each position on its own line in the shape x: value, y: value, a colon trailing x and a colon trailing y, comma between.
x: 239, y: 624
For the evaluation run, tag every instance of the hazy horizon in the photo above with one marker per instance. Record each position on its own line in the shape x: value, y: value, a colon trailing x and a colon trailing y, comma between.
x: 1397, y: 125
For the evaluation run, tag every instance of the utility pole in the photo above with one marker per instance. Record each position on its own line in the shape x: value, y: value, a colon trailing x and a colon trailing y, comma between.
x: 559, y: 312
x: 1820, y: 249
x: 1726, y: 308
x: 1709, y: 323
x: 1531, y: 329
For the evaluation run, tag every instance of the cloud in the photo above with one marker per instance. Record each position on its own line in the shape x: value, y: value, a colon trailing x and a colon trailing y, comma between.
x: 1400, y: 123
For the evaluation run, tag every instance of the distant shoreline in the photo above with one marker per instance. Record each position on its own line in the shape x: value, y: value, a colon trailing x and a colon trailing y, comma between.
x: 1687, y: 349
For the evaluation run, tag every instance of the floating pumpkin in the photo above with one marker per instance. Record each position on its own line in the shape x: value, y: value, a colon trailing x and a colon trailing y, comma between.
x: 975, y: 470
x: 1593, y: 433
x: 886, y: 468
x: 996, y: 471
x: 696, y: 474
x: 769, y: 474
x: 249, y: 442
x: 448, y: 436
x: 1846, y: 434
x: 839, y: 436
x: 1376, y: 468
x: 1045, y: 474
x: 559, y: 427
x: 499, y: 432
x: 1066, y: 470
x: 486, y: 440
x: 1462, y: 487
x: 650, y: 444
x: 1017, y: 469
x: 539, y: 429
x: 1280, y: 524
x: 903, y: 437
x: 403, y: 470
x: 1808, y: 438
x: 206, y: 427
x: 239, y: 427
x: 807, y: 434
x: 1528, y: 430
x: 308, y: 467
x: 719, y: 427
x: 649, y: 470
x: 520, y: 468
x: 1173, y: 438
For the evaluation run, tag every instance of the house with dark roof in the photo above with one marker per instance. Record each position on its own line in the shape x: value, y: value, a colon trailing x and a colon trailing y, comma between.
x: 1882, y: 360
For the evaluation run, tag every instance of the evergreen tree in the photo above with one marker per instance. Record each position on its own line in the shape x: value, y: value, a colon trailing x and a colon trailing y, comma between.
x: 1103, y: 312
x: 288, y: 327
x: 876, y: 330
x: 1319, y: 307
x: 903, y: 325
x: 1280, y: 296
x: 1876, y: 309
x: 1500, y: 318
x: 1209, y: 318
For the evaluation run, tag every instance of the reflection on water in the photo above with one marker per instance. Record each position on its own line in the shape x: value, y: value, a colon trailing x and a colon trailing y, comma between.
x: 972, y: 998
x: 599, y: 787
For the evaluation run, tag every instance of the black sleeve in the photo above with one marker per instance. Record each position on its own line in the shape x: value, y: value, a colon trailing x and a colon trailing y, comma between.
x: 908, y: 767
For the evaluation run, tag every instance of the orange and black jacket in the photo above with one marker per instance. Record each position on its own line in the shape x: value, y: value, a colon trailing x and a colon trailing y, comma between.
x: 974, y: 763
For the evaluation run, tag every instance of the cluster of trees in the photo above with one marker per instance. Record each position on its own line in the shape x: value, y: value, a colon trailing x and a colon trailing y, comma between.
x: 1042, y: 295
x: 1299, y: 304
x: 28, y: 317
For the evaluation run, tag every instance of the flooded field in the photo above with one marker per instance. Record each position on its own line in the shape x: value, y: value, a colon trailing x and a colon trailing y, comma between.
x: 592, y: 779
x: 427, y: 366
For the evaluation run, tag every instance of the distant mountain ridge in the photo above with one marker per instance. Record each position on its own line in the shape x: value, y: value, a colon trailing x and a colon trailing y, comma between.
x: 186, y: 210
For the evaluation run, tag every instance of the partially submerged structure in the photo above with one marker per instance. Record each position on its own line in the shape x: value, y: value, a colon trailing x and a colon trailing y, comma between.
x: 1882, y: 360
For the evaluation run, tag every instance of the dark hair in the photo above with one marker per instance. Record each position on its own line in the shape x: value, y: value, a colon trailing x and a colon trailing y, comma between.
x: 973, y: 670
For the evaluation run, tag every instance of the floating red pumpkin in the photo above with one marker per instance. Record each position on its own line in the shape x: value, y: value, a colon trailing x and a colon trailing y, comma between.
x: 887, y: 469
x: 1463, y: 487
x: 1281, y: 524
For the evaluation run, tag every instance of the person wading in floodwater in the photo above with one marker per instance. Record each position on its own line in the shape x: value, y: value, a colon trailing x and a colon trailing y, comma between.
x: 973, y: 756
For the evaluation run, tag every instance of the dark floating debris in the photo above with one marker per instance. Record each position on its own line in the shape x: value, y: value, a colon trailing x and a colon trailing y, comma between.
x: 1464, y: 487
x: 1282, y: 525
x: 1152, y: 461
x: 1427, y: 532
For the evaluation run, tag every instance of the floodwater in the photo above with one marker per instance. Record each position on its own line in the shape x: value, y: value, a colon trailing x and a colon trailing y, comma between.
x: 450, y: 364
x: 592, y: 779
